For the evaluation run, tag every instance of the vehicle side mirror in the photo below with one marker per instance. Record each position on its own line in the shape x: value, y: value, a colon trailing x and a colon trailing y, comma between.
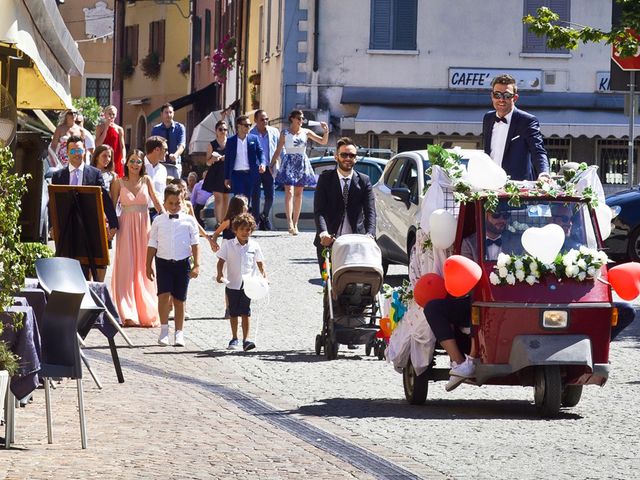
x: 402, y: 194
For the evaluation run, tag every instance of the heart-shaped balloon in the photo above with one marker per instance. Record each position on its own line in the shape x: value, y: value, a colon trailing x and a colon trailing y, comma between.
x: 442, y: 227
x: 461, y: 274
x: 429, y: 287
x: 604, y: 216
x: 484, y: 174
x: 543, y: 243
x: 625, y: 280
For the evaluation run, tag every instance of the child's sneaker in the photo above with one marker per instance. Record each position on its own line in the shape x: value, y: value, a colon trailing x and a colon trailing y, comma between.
x: 234, y: 344
x: 179, y: 338
x: 163, y: 339
x: 247, y: 345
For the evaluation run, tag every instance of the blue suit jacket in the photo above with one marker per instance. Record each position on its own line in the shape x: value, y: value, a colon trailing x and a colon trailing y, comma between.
x: 524, y: 154
x: 254, y: 153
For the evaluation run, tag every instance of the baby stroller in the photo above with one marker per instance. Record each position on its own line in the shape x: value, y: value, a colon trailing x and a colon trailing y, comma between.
x: 351, y: 295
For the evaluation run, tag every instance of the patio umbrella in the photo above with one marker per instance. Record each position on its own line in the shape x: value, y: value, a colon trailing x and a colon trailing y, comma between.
x: 204, y: 133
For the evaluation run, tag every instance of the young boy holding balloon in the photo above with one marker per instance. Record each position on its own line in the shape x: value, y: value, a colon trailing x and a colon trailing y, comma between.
x: 242, y: 256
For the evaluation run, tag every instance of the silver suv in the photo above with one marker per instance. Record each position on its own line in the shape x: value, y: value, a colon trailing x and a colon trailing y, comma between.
x: 399, y: 196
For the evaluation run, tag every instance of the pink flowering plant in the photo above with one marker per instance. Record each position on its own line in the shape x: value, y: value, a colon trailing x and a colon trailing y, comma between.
x: 224, y: 58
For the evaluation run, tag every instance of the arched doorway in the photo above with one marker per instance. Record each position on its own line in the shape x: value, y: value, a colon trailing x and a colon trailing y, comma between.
x: 141, y: 132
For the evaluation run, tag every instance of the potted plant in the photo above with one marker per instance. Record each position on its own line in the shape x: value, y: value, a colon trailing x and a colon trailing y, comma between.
x: 184, y: 65
x: 30, y: 252
x: 254, y: 78
x: 127, y: 66
x: 12, y: 187
x: 151, y: 65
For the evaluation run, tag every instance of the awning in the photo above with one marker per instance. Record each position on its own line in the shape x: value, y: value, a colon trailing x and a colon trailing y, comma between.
x: 206, y: 95
x: 37, y: 31
x: 468, y: 121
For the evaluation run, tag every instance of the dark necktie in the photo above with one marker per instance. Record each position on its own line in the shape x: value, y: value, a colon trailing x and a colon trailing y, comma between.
x: 173, y: 216
x: 345, y: 191
x: 501, y: 119
x: 497, y: 241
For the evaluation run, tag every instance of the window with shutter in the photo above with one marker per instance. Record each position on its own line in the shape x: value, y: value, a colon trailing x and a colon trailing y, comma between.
x: 393, y: 25
x: 207, y: 32
x: 161, y: 30
x: 531, y: 42
x: 131, y: 43
x: 197, y: 39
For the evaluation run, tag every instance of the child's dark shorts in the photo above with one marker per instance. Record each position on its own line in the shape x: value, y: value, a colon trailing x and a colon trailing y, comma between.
x: 239, y: 303
x: 173, y: 277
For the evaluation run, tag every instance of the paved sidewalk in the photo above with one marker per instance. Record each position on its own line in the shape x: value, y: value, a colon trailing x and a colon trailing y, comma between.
x: 163, y: 422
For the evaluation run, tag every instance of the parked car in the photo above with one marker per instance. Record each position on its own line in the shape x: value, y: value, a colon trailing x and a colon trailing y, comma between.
x: 624, y: 241
x: 371, y: 166
x: 399, y: 195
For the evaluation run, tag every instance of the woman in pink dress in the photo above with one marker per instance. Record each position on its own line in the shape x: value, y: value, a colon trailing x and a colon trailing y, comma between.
x: 134, y: 294
x: 112, y: 134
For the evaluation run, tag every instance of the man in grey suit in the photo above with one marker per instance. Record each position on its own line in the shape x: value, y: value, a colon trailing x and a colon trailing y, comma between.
x: 496, y: 240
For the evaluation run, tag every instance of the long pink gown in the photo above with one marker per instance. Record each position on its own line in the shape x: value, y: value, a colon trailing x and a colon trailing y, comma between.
x: 134, y: 293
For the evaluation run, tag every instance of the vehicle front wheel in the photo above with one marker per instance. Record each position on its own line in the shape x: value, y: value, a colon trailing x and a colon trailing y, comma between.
x: 548, y: 390
x: 416, y: 387
x: 633, y: 247
x: 571, y: 395
x: 319, y: 342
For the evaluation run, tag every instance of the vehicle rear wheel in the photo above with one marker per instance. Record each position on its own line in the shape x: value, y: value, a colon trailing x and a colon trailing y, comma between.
x: 381, y: 350
x: 633, y: 248
x: 319, y: 342
x: 547, y: 391
x: 367, y: 348
x: 416, y: 387
x: 571, y: 395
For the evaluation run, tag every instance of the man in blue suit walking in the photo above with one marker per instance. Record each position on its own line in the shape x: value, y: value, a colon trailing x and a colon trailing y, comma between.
x: 512, y: 137
x: 244, y: 159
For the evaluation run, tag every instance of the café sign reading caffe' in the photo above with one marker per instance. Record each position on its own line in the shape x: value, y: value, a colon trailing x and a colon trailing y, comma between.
x: 480, y: 78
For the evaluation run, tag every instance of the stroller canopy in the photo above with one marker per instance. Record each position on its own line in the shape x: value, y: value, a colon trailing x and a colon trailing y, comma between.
x: 356, y: 251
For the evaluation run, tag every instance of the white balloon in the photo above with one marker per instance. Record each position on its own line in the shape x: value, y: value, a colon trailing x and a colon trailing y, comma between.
x: 604, y: 216
x: 442, y: 227
x: 255, y: 287
x: 484, y: 174
x: 543, y: 243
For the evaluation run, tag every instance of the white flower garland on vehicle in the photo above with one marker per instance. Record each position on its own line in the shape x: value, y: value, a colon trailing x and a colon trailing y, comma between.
x: 580, y: 265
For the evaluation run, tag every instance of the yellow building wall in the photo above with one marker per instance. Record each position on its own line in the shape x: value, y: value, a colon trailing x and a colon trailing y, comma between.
x: 170, y: 84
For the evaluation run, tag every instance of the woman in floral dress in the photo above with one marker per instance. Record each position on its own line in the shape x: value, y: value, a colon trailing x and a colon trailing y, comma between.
x: 296, y: 172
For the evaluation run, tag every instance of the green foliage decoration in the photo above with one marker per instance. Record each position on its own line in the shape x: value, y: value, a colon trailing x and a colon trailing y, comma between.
x: 90, y: 109
x: 30, y: 252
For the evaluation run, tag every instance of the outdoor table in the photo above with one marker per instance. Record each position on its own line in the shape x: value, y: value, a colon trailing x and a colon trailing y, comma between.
x: 37, y: 300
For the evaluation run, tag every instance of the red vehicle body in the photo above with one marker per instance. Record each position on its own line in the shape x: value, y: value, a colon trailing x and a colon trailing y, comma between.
x: 514, y: 345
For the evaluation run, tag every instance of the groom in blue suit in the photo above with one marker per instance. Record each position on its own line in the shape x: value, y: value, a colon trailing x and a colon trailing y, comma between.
x: 512, y: 137
x: 244, y: 159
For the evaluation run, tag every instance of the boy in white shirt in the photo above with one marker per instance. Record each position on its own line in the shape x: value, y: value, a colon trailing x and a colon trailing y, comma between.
x: 242, y: 255
x: 173, y: 240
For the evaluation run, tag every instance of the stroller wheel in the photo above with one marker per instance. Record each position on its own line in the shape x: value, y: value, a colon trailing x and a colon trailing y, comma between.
x: 367, y: 349
x: 330, y: 348
x: 381, y: 349
x: 319, y: 343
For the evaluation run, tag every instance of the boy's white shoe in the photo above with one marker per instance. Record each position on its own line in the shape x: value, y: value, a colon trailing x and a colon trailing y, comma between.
x: 466, y: 369
x: 163, y: 339
x: 179, y: 339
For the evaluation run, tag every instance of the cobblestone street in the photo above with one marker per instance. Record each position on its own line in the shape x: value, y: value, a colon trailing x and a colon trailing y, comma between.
x: 282, y: 412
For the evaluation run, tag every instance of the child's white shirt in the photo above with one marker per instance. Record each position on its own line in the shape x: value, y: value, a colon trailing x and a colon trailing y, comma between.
x: 240, y: 260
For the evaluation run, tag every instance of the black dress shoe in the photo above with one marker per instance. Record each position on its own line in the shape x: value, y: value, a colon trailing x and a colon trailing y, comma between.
x: 265, y: 223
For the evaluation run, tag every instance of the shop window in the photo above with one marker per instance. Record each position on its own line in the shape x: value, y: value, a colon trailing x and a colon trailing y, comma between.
x: 613, y: 158
x: 558, y: 152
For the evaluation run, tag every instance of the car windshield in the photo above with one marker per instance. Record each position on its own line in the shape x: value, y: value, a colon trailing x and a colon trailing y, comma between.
x: 511, y: 223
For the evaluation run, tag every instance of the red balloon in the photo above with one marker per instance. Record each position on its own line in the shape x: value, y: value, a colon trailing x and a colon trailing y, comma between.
x: 625, y: 280
x: 429, y: 287
x: 461, y: 274
x: 385, y: 326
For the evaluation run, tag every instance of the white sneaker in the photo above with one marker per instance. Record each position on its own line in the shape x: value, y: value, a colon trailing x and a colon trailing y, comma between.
x: 179, y: 339
x: 163, y: 339
x: 466, y: 369
x: 454, y: 382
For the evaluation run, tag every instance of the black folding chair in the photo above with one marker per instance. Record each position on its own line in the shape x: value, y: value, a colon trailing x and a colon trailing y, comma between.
x: 65, y: 274
x: 61, y: 351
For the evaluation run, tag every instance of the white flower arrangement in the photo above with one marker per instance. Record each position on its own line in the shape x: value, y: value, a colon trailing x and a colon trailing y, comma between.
x: 582, y: 264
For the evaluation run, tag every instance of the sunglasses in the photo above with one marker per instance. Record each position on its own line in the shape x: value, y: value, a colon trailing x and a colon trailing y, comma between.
x: 503, y: 95
x: 245, y: 124
x: 78, y: 122
x: 136, y: 162
x: 497, y: 215
x: 222, y: 130
x: 76, y: 151
x: 347, y: 155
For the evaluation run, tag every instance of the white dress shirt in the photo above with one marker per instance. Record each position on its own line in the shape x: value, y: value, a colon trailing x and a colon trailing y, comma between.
x: 173, y: 237
x: 345, y: 229
x: 242, y: 157
x: 158, y: 176
x: 240, y: 260
x: 499, y: 139
x: 72, y: 170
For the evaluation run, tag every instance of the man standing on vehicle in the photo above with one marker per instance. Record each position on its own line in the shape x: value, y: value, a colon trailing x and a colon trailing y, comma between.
x: 512, y: 136
x: 343, y: 202
x: 174, y: 133
x: 268, y: 137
